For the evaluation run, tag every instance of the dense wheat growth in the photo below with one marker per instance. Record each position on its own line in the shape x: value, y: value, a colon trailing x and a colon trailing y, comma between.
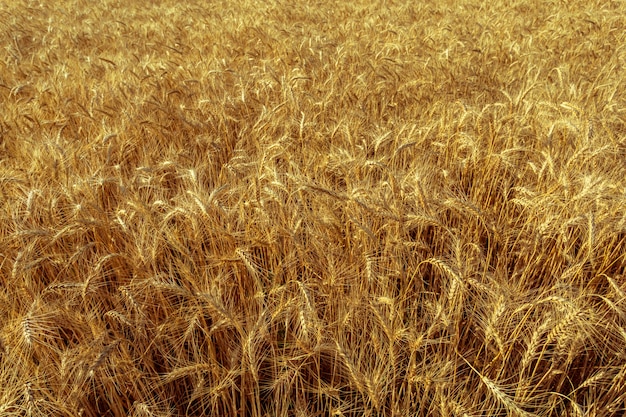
x: 370, y: 208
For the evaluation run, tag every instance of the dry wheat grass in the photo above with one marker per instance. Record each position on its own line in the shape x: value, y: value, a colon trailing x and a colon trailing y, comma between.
x: 356, y: 209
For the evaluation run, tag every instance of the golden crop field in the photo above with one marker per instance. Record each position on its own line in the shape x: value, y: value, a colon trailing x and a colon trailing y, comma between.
x: 312, y: 208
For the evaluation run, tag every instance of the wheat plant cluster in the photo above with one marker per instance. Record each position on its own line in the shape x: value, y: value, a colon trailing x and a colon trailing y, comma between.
x: 363, y: 208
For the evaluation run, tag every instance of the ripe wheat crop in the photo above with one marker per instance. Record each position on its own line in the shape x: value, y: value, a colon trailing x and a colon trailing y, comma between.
x: 364, y: 208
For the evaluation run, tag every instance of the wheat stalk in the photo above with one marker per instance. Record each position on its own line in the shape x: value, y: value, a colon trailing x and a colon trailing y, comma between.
x: 499, y: 393
x: 101, y: 357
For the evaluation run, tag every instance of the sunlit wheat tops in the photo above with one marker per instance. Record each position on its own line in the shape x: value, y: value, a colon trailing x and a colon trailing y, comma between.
x: 356, y: 208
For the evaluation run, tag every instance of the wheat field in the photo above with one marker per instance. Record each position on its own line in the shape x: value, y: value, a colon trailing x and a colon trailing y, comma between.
x: 370, y: 208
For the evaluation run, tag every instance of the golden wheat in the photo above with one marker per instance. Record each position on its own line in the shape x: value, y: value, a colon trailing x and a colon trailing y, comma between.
x: 354, y: 208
